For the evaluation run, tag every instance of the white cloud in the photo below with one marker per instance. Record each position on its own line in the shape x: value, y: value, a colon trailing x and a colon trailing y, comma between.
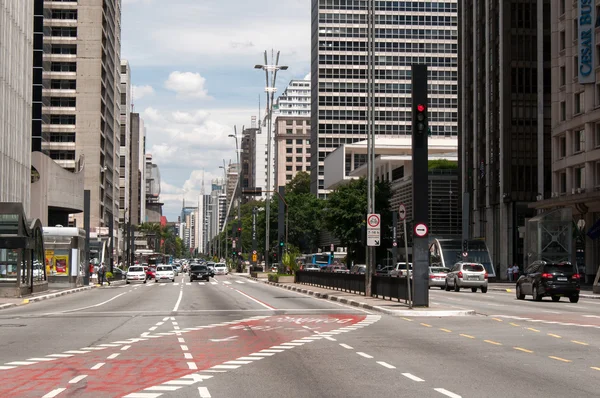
x: 187, y: 84
x: 139, y: 92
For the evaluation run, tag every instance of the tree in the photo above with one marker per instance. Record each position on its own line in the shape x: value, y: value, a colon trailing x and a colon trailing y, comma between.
x: 345, y: 214
x: 299, y: 185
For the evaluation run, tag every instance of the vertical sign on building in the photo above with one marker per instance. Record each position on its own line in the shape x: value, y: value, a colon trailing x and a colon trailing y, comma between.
x: 586, y: 20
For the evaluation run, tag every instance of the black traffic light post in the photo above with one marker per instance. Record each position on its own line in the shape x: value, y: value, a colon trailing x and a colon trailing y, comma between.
x: 281, y: 222
x: 420, y: 179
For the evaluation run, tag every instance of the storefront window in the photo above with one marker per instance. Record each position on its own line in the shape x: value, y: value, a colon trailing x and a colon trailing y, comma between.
x: 9, y: 260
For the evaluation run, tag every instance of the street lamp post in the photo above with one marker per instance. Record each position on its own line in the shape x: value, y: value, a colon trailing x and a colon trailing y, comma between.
x: 226, y: 232
x: 239, y: 184
x: 270, y: 90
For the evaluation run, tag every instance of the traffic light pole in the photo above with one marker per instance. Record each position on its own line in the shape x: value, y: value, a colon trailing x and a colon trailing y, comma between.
x: 281, y: 215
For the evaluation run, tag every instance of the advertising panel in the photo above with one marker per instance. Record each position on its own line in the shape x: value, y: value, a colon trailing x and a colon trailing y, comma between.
x: 587, y: 41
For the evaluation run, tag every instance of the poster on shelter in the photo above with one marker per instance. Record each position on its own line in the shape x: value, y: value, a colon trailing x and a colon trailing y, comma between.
x: 61, y: 265
x: 49, y: 262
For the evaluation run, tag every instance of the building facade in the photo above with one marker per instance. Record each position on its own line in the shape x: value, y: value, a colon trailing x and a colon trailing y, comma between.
x: 16, y: 81
x: 153, y: 203
x: 505, y: 119
x: 138, y: 170
x: 248, y: 147
x: 124, y: 153
x: 406, y: 33
x: 575, y: 163
x: 292, y: 148
x: 81, y: 71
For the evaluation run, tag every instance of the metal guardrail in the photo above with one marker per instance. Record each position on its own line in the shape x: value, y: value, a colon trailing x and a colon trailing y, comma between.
x: 353, y: 283
x: 382, y: 286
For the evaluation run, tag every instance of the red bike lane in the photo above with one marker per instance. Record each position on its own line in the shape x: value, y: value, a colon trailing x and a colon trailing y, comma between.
x: 115, y: 372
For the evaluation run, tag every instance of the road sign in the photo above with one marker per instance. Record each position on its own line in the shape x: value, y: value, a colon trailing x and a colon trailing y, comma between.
x: 373, y: 221
x: 331, y: 247
x: 233, y: 244
x: 402, y: 212
x: 421, y: 230
x: 395, y: 244
x: 254, y: 257
x: 465, y: 254
x: 253, y: 251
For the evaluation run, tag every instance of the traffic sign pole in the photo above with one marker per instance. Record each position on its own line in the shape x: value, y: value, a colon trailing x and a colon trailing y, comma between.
x: 408, y: 289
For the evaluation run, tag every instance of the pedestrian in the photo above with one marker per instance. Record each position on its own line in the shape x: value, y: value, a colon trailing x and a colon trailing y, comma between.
x: 515, y: 272
x: 101, y: 274
x: 509, y: 272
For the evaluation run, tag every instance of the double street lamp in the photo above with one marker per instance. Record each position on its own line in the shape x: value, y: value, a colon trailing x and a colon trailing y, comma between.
x: 238, y: 188
x: 271, y: 77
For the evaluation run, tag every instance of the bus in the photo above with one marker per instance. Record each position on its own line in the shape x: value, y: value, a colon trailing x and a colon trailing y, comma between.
x: 447, y: 252
x: 320, y: 259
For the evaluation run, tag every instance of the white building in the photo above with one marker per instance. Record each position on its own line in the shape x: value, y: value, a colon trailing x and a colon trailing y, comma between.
x: 406, y: 33
x: 124, y: 152
x: 16, y: 81
x: 295, y: 100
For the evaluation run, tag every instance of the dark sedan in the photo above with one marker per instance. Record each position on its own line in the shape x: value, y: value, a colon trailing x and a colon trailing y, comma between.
x: 543, y: 278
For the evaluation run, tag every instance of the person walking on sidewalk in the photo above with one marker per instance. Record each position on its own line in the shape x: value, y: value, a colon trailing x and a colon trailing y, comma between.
x: 102, y: 275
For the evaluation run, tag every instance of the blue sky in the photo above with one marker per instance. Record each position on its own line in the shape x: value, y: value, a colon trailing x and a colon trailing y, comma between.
x: 192, y: 65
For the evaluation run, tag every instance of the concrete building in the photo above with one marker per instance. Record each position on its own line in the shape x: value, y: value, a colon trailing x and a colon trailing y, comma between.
x: 406, y: 33
x: 248, y: 147
x: 505, y: 119
x: 138, y: 170
x: 124, y: 153
x: 292, y: 148
x: 575, y: 166
x: 261, y: 169
x: 16, y: 82
x: 153, y: 203
x: 82, y: 64
x: 295, y: 100
x: 203, y: 222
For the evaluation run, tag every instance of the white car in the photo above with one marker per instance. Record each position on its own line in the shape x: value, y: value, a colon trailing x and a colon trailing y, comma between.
x: 221, y: 269
x: 164, y: 272
x: 312, y: 267
x: 135, y: 273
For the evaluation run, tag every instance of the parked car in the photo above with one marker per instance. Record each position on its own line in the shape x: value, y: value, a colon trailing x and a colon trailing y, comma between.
x: 543, y: 278
x: 198, y: 271
x: 464, y: 274
x: 437, y: 276
x: 384, y: 271
x: 164, y: 272
x: 358, y: 269
x: 136, y: 273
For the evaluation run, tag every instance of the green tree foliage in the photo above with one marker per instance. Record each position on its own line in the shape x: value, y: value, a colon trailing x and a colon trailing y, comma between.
x: 345, y: 213
x: 304, y: 214
x: 442, y: 164
x: 163, y: 239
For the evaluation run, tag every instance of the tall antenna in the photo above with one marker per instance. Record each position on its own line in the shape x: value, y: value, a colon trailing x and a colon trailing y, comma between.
x: 202, y: 188
x: 259, y: 122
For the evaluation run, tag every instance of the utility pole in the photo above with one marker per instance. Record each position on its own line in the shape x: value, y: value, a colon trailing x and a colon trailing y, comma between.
x: 370, y: 251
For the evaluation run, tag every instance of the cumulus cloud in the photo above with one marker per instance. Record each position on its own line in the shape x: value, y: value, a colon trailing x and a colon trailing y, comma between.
x: 139, y: 92
x: 187, y: 84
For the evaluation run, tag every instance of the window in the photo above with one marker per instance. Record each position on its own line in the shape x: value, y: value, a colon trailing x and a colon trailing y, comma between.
x: 562, y: 40
x: 563, y: 75
x: 63, y: 67
x: 289, y: 159
x: 288, y: 177
x: 563, y: 111
x: 299, y: 141
x: 562, y: 147
x: 289, y: 122
x: 288, y: 168
x: 575, y: 66
x: 563, y: 182
x: 62, y: 119
x: 597, y: 182
x: 575, y: 30
x: 289, y: 142
x: 299, y: 131
x: 579, y: 103
x: 579, y: 178
x: 579, y: 141
x: 289, y: 150
x: 289, y: 131
x: 298, y: 168
x: 298, y: 150
x: 561, y: 7
x: 299, y: 159
x: 62, y: 101
x: 56, y: 84
x: 60, y: 31
x: 64, y: 49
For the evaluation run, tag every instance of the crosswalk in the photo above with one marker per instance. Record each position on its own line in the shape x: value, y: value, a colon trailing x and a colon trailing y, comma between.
x: 163, y: 284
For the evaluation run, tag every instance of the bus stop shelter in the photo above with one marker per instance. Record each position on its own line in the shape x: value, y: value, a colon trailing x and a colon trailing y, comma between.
x: 22, y: 270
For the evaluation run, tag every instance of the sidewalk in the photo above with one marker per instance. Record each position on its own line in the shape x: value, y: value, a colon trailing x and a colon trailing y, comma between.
x: 390, y: 307
x: 586, y: 290
x: 8, y: 302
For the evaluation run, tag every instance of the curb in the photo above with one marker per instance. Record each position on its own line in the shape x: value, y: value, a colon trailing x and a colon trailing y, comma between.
x: 585, y: 295
x: 353, y: 303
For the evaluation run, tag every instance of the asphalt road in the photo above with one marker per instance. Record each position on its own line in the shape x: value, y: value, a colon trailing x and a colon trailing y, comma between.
x: 235, y: 337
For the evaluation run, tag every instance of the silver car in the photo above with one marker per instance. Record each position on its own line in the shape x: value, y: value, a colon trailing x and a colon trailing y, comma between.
x: 464, y: 274
x: 437, y: 276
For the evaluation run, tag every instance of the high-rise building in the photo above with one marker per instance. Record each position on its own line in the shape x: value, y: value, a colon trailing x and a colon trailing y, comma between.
x: 261, y: 162
x: 124, y: 152
x: 153, y: 203
x: 203, y: 222
x: 16, y: 70
x: 82, y: 98
x: 575, y: 164
x: 295, y: 100
x: 248, y: 147
x: 138, y: 170
x: 505, y: 127
x: 406, y: 33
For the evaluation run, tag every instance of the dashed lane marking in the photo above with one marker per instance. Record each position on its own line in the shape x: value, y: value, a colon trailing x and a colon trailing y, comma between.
x: 113, y: 356
x: 362, y: 354
x: 595, y: 368
x: 492, y: 342
x: 54, y: 393
x: 227, y: 283
x: 446, y: 330
x: 447, y: 393
x: 407, y: 319
x: 412, y: 377
x: 7, y: 367
x: 554, y: 335
x: 533, y: 330
x: 426, y: 325
x: 203, y: 392
x: 514, y: 324
x: 187, y: 355
x: 467, y: 336
x: 579, y: 342
x: 125, y: 347
x: 498, y: 319
x: 386, y: 365
x: 559, y: 359
x: 523, y: 350
x: 192, y: 365
x: 97, y: 366
x: 77, y: 379
x: 346, y: 346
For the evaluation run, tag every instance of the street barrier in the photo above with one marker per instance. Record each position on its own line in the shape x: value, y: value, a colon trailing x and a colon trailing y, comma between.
x: 382, y: 286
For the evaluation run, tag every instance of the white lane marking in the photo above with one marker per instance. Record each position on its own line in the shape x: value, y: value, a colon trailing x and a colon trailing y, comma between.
x: 19, y: 363
x: 346, y: 346
x: 192, y: 365
x: 386, y: 365
x: 412, y: 377
x: 113, y: 356
x: 225, y: 367
x: 252, y: 281
x: 42, y: 359
x: 180, y: 339
x: 60, y: 355
x: 213, y: 283
x: 264, y: 354
x: 184, y: 347
x: 153, y: 328
x: 227, y: 283
x: 201, y: 283
x: 97, y: 366
x: 175, y: 323
x: 255, y: 300
x: 54, y: 393
x: 77, y: 379
x: 188, y: 284
x: 187, y: 355
x: 89, y: 306
x: 330, y: 338
x: 181, y: 382
x: 241, y: 282
x: 165, y: 319
x: 143, y: 394
x: 362, y: 354
x: 447, y: 393
x: 162, y: 388
x: 248, y: 358
x: 125, y: 348
x: 7, y: 367
x: 237, y: 362
x: 203, y: 391
x: 591, y: 316
x: 178, y: 302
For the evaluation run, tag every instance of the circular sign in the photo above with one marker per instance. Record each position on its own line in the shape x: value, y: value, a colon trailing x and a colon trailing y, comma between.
x: 373, y: 220
x: 253, y: 251
x: 465, y: 254
x: 402, y: 212
x: 394, y: 244
x: 421, y: 230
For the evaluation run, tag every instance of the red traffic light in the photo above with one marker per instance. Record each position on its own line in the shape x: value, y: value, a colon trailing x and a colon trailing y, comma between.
x: 421, y: 108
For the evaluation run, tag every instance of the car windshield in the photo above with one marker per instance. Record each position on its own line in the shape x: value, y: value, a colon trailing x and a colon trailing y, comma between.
x: 438, y: 270
x: 473, y: 267
x: 135, y: 269
x: 164, y: 268
x: 559, y: 268
x: 199, y: 268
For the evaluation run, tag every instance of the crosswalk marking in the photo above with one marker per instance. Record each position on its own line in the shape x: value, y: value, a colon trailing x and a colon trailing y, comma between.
x: 240, y: 282
x: 213, y: 283
x: 227, y: 283
x: 201, y: 283
x: 188, y: 284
